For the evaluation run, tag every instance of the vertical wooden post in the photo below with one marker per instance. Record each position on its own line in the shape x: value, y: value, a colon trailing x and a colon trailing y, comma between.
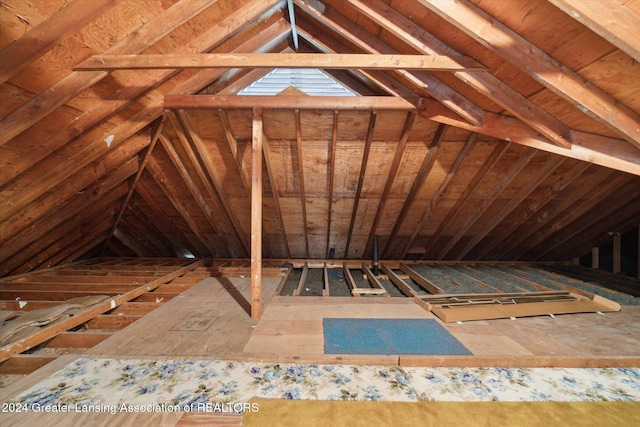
x: 595, y: 257
x: 617, y: 240
x: 638, y: 251
x: 256, y: 214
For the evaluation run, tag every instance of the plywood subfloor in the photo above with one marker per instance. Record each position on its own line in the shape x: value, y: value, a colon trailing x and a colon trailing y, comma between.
x: 293, y: 326
x: 211, y: 319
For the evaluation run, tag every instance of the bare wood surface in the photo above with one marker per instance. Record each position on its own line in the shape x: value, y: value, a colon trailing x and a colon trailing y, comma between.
x: 290, y: 102
x: 273, y: 60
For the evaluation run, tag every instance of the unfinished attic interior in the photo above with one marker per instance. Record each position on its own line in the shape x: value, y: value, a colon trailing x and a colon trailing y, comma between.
x: 238, y: 185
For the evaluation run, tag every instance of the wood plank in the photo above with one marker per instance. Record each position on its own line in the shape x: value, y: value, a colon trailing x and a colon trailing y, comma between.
x: 406, y: 289
x: 425, y: 283
x: 506, y: 311
x: 53, y: 330
x: 611, y: 19
x: 349, y: 279
x: 522, y: 361
x: 279, y: 60
x: 256, y: 213
x: 78, y: 339
x: 378, y: 289
x: 67, y: 21
x: 24, y: 364
x: 303, y: 199
x: 557, y: 77
x: 302, y: 281
x: 289, y: 102
x: 325, y: 281
x: 363, y: 168
x: 331, y: 172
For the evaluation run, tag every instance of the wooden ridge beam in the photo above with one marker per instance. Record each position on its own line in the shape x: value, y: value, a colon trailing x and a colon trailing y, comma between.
x: 282, y: 102
x: 279, y: 60
x: 550, y: 72
x: 91, y: 312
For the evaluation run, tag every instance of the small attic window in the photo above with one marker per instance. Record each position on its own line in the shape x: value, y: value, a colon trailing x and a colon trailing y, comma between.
x: 308, y: 80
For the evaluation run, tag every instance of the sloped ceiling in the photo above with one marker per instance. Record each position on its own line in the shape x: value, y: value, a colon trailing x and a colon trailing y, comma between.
x: 536, y: 158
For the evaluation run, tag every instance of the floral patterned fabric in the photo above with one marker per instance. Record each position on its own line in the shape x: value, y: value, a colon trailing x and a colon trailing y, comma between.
x: 187, y: 384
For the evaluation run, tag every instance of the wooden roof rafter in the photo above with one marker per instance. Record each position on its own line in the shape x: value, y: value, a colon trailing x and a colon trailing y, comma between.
x: 303, y: 199
x: 201, y: 158
x: 557, y: 132
x: 275, y: 193
x: 427, y: 164
x: 155, y: 134
x: 496, y: 154
x: 156, y: 171
x: 490, y: 223
x: 550, y: 72
x: 370, y: 44
x: 163, y: 222
x: 486, y: 202
x: 75, y: 82
x: 609, y: 152
x: 363, y: 168
x: 531, y: 208
x: 391, y: 176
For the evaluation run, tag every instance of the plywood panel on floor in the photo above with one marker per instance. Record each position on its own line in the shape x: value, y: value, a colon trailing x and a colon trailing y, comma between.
x: 293, y: 325
x: 210, y: 319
